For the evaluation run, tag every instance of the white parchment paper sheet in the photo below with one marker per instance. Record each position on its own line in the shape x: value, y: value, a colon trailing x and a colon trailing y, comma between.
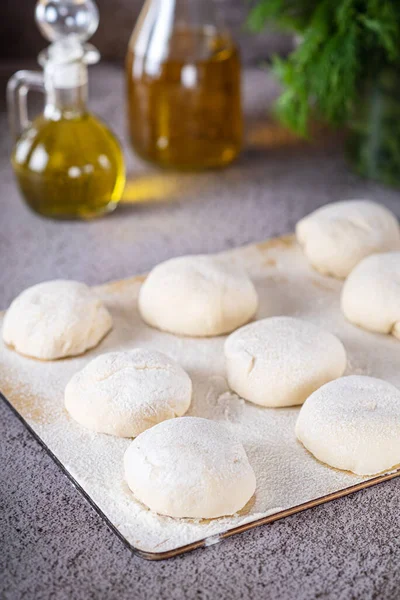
x: 287, y: 475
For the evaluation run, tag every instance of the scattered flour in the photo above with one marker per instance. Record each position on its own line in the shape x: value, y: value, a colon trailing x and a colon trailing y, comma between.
x: 287, y: 475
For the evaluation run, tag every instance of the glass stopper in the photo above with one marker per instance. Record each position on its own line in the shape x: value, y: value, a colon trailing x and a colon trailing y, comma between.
x: 57, y: 19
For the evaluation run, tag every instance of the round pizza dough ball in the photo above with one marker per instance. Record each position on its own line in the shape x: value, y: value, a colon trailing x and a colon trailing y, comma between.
x: 189, y: 467
x: 353, y: 424
x: 125, y: 393
x: 371, y: 294
x: 197, y: 296
x: 280, y: 361
x: 56, y: 319
x: 337, y: 236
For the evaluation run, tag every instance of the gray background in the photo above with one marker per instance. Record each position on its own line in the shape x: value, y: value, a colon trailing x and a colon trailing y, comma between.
x: 52, y: 544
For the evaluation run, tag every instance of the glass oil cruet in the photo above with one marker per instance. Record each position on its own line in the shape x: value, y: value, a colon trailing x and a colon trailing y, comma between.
x: 68, y: 164
x: 183, y: 83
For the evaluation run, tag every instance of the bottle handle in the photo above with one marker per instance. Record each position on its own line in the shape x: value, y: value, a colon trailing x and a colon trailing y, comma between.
x: 18, y: 87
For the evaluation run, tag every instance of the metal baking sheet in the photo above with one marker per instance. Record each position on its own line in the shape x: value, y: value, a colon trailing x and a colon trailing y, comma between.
x: 289, y: 479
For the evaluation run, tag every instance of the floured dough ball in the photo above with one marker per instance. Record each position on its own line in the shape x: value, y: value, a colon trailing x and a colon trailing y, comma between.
x: 280, y: 361
x: 189, y: 467
x: 125, y: 393
x: 371, y: 294
x: 197, y: 296
x: 353, y: 424
x: 56, y: 319
x: 337, y: 236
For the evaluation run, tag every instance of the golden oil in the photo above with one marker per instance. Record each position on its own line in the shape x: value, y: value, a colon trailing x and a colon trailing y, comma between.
x: 69, y: 167
x: 184, y: 107
x: 67, y: 162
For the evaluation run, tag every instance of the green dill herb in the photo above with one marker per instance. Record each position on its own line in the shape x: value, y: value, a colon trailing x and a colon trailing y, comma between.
x: 343, y: 43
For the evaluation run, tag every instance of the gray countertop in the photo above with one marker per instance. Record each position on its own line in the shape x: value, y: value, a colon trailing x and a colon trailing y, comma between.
x: 53, y: 545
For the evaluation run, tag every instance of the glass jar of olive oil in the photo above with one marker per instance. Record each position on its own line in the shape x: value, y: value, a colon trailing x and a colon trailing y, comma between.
x: 183, y: 83
x: 67, y: 162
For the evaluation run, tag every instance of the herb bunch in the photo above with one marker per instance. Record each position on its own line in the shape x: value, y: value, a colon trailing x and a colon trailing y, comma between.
x: 341, y: 44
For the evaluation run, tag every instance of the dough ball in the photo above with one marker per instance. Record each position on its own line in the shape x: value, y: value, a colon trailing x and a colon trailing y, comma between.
x: 337, y: 236
x: 371, y: 294
x: 56, y: 319
x: 353, y: 424
x: 124, y: 393
x: 280, y: 361
x: 197, y: 296
x: 189, y: 467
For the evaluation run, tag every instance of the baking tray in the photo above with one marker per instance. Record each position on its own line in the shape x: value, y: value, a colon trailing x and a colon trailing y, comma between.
x: 289, y: 479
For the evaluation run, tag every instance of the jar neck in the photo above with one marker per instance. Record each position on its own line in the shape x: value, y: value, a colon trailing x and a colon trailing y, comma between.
x: 67, y: 103
x: 160, y: 17
x: 66, y: 85
x: 192, y: 13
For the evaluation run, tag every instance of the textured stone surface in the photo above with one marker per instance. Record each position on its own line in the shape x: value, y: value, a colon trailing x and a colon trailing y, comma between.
x: 52, y: 544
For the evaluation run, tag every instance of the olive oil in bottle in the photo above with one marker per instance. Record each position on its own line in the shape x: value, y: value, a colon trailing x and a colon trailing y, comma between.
x: 183, y: 84
x: 67, y: 163
x: 69, y: 168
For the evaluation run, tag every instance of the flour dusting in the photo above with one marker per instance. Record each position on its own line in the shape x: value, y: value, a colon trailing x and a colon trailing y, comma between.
x: 287, y: 475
